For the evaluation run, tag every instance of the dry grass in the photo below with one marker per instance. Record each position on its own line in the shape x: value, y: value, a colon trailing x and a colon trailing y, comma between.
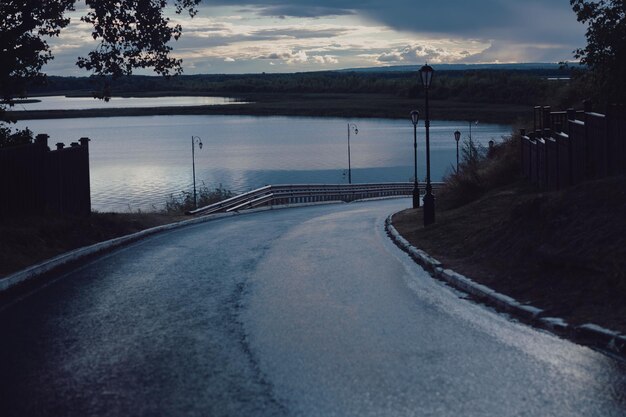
x: 25, y: 241
x: 562, y: 251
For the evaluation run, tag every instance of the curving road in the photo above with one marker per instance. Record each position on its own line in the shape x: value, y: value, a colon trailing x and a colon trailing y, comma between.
x: 300, y: 312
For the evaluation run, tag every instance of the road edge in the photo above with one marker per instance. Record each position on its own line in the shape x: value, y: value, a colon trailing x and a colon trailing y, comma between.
x: 592, y: 335
x: 36, y: 274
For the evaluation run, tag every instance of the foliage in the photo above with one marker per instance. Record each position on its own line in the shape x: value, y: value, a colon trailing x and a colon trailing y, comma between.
x: 131, y: 34
x: 481, y: 170
x: 527, y: 87
x: 605, y: 53
x: 184, y: 201
x: 10, y: 138
x: 23, y: 49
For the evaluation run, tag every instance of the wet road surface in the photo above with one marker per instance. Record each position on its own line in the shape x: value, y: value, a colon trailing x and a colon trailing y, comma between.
x: 300, y: 312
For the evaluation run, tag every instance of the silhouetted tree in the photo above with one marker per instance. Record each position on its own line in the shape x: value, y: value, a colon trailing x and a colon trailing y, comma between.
x: 131, y: 34
x: 605, y: 53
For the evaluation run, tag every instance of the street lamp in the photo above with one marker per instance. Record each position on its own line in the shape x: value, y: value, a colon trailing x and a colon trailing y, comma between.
x: 457, y: 137
x: 471, y: 144
x: 415, y: 116
x: 426, y: 76
x: 351, y: 126
x: 194, y: 140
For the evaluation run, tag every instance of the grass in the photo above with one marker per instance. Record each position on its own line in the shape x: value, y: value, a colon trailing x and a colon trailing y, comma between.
x: 563, y: 251
x: 28, y: 240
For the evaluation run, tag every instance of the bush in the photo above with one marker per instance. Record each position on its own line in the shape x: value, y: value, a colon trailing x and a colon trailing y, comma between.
x: 184, y: 201
x: 10, y: 138
x: 481, y: 170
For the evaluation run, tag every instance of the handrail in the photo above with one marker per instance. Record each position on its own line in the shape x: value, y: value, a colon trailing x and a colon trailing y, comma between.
x: 308, y: 193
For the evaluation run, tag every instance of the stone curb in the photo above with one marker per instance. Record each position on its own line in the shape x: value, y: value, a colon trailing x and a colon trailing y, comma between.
x: 66, y: 260
x: 586, y: 334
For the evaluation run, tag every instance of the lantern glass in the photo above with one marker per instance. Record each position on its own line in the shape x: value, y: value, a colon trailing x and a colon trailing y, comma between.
x: 426, y: 75
x: 457, y: 135
x: 415, y: 117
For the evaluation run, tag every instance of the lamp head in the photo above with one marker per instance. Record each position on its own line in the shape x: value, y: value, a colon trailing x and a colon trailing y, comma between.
x: 426, y: 75
x: 457, y: 135
x: 415, y: 117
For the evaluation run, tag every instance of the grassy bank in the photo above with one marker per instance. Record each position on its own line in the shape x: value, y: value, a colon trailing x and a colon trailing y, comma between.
x: 313, y: 105
x: 27, y: 240
x: 563, y: 251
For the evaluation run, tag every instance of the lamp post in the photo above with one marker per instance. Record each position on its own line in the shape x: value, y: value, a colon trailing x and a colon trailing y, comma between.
x: 471, y: 144
x: 194, y: 140
x: 457, y: 137
x: 426, y: 76
x: 351, y: 126
x: 415, y: 116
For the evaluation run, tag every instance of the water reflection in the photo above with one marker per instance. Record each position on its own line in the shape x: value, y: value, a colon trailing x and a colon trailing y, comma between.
x: 137, y: 162
x: 81, y: 103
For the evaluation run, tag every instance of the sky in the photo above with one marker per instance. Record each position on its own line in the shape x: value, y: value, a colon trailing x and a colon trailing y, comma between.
x: 253, y: 36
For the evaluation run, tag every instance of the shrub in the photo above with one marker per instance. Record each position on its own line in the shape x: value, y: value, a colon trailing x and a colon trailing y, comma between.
x: 178, y: 204
x: 9, y: 138
x: 480, y: 171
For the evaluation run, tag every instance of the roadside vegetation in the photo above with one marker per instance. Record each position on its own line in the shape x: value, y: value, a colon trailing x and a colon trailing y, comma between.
x: 563, y: 251
x: 27, y: 240
x: 184, y: 201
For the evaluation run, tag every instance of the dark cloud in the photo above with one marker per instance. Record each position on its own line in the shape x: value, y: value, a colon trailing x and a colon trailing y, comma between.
x: 290, y: 10
x: 528, y: 20
x: 297, y: 33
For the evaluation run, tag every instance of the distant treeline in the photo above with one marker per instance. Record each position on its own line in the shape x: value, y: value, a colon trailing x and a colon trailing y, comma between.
x: 531, y: 87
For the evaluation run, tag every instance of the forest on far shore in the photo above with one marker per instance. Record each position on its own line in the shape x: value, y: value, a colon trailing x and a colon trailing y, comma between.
x: 555, y: 87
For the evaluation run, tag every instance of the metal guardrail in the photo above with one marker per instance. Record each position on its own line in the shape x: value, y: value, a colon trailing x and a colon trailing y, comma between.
x: 309, y: 193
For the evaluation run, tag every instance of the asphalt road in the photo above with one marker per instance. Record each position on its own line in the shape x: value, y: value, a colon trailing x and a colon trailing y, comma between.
x: 300, y: 312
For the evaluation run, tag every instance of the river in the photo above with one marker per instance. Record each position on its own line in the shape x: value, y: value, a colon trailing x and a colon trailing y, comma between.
x: 137, y: 162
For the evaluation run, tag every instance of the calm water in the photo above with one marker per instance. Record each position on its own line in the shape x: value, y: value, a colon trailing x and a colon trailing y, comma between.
x: 81, y: 103
x: 137, y: 162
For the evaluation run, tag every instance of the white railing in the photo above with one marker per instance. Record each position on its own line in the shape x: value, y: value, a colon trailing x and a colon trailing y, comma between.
x: 310, y: 193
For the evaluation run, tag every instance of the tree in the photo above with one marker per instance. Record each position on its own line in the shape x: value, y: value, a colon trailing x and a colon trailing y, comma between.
x: 605, y: 53
x: 131, y: 33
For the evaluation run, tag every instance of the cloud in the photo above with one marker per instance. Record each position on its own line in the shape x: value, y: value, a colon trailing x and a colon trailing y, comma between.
x: 289, y: 10
x: 529, y: 20
x: 325, y: 59
x: 417, y: 54
x: 229, y: 59
x: 290, y: 57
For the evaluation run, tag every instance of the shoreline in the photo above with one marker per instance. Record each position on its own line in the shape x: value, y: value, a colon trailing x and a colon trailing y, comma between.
x: 306, y: 105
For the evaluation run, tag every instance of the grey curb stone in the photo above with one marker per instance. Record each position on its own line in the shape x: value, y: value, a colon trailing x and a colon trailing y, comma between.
x: 67, y: 259
x: 586, y: 334
x: 70, y: 258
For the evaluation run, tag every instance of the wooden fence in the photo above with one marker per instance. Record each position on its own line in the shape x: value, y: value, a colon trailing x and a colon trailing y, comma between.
x: 567, y: 147
x: 36, y: 180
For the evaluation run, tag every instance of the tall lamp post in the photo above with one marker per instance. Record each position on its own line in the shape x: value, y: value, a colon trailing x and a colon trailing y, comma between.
x: 457, y: 137
x: 426, y: 76
x: 351, y: 127
x: 194, y: 140
x: 415, y: 116
x: 471, y: 144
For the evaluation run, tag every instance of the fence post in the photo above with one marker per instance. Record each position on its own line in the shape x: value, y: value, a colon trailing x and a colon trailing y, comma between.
x: 535, y: 110
x: 571, y: 116
x: 588, y: 171
x: 547, y: 125
x: 522, y: 134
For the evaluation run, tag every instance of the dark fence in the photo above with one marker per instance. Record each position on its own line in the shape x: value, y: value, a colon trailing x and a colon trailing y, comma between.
x: 567, y: 147
x: 35, y: 180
